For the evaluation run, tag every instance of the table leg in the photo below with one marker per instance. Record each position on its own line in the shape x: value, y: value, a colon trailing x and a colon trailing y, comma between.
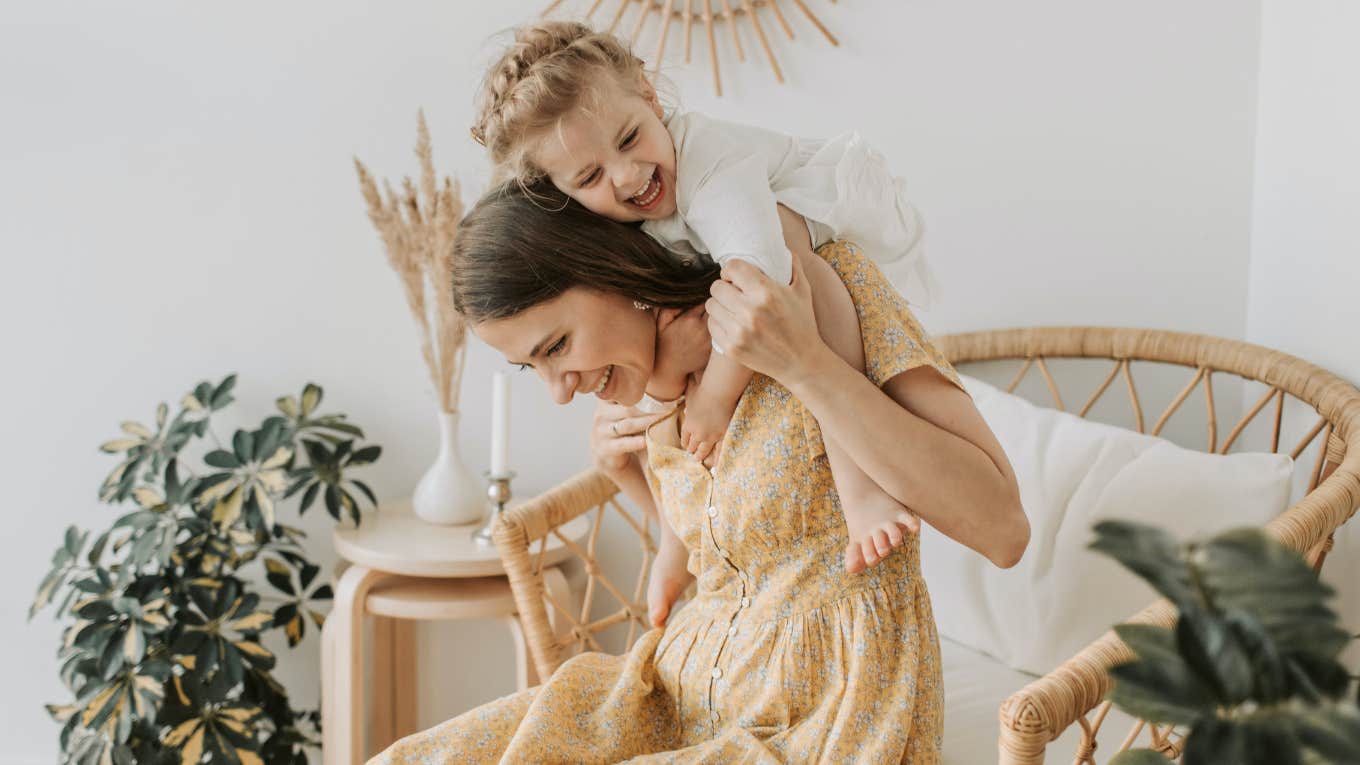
x: 525, y: 674
x: 344, y: 731
x: 394, y: 682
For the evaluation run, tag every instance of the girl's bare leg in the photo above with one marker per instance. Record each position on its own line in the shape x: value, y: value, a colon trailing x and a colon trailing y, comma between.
x: 874, y: 520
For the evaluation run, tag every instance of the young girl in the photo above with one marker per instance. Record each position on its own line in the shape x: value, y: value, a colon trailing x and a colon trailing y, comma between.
x: 573, y: 106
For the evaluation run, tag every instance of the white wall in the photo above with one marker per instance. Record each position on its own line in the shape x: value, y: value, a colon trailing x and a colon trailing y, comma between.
x: 1305, y: 249
x: 178, y: 202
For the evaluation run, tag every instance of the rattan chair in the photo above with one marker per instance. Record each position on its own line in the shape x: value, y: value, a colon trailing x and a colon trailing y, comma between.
x: 1327, y: 458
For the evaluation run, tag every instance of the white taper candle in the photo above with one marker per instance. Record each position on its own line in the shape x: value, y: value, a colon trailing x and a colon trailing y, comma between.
x: 500, y: 424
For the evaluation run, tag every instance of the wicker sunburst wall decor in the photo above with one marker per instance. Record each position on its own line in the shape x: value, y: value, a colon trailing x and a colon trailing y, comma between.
x: 707, y: 15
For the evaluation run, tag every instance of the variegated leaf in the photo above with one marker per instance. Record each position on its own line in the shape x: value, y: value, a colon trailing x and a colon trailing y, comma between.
x: 255, y: 621
x: 266, y: 507
x: 228, y: 510
x: 191, y: 403
x: 278, y: 459
x: 288, y: 405
x: 147, y: 497
x: 161, y: 412
x: 119, y: 445
x: 216, y: 491
x: 311, y: 396
x: 137, y: 429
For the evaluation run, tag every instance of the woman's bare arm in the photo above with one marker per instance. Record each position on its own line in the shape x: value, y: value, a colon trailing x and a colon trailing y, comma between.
x: 920, y: 438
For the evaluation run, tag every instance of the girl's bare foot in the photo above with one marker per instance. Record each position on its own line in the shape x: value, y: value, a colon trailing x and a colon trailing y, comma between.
x: 876, y: 525
x: 669, y: 577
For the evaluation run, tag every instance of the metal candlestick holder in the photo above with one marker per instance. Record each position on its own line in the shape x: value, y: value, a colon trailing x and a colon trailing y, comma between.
x: 497, y: 495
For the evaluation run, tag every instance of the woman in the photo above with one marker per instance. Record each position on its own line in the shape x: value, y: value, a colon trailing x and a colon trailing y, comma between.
x: 781, y: 656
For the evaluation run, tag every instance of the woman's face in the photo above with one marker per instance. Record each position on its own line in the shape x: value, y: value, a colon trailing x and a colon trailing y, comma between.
x: 581, y: 341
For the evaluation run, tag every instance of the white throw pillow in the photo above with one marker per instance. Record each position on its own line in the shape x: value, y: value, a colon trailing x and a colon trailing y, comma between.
x: 1073, y: 473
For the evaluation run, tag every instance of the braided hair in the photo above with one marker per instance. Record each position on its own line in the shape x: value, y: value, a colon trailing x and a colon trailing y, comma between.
x: 542, y: 77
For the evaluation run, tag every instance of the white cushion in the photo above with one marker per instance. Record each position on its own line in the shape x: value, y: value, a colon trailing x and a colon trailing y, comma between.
x: 1072, y: 473
x: 974, y: 687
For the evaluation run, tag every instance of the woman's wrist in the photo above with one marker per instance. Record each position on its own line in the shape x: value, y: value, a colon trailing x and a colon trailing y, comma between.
x: 809, y: 367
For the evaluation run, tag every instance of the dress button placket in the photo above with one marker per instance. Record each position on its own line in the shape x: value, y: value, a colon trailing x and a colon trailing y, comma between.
x: 715, y: 673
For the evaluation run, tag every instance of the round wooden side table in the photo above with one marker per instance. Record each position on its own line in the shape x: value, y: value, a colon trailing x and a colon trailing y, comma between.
x: 402, y: 569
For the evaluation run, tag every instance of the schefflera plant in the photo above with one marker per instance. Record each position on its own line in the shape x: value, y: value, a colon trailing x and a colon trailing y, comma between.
x: 163, y: 652
x: 1251, y: 667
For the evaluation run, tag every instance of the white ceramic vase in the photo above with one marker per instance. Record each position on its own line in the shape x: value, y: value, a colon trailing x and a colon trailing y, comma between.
x: 449, y: 493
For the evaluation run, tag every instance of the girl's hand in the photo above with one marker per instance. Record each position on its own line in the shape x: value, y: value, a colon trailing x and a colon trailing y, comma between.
x: 765, y: 326
x: 617, y: 435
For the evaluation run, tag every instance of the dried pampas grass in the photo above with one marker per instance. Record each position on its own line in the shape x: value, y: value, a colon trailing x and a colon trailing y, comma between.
x: 417, y: 228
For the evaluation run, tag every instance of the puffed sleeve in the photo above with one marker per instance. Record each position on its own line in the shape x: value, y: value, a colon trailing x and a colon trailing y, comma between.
x: 723, y: 193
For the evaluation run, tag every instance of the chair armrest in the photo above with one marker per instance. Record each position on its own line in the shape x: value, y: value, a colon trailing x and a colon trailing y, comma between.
x: 1041, y: 711
x: 515, y: 532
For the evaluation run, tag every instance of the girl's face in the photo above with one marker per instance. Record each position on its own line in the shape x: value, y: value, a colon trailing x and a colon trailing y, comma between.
x: 581, y: 341
x: 613, y: 155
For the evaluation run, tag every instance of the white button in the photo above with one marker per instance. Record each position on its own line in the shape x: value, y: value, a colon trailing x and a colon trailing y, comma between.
x: 713, y: 471
x: 714, y: 718
x: 720, y: 552
x: 712, y: 512
x: 745, y: 602
x: 732, y: 631
x: 717, y: 672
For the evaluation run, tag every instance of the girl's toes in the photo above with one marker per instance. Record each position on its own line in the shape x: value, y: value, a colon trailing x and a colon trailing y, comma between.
x: 894, y: 534
x: 871, y: 556
x: 854, y: 559
x: 909, y: 521
x: 881, y: 543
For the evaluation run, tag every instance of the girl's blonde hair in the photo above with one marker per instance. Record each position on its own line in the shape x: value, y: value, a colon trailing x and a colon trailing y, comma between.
x: 542, y: 76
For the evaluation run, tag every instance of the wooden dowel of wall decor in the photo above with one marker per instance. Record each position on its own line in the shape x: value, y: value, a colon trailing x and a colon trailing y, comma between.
x: 689, y: 26
x: 732, y: 22
x: 712, y: 47
x: 816, y: 22
x: 665, y: 32
x: 551, y: 7
x: 623, y: 6
x: 642, y: 19
x: 593, y: 6
x: 764, y: 43
x: 783, y: 22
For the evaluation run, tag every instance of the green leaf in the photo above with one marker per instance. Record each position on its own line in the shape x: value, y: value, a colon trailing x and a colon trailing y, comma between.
x: 244, y: 445
x: 361, y: 486
x: 1159, y: 686
x: 1332, y: 731
x: 221, y: 458
x: 1215, y: 740
x: 221, y: 394
x: 365, y: 456
x: 1214, y: 652
x: 308, y: 497
x: 1149, y: 552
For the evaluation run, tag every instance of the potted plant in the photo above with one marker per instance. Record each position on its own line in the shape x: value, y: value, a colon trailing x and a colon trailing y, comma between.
x: 1251, y: 666
x: 163, y: 650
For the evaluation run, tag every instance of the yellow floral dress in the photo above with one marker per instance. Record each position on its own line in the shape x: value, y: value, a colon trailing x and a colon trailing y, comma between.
x: 781, y: 657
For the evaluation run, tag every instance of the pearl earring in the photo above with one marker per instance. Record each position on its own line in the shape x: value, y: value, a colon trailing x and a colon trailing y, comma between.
x: 641, y: 306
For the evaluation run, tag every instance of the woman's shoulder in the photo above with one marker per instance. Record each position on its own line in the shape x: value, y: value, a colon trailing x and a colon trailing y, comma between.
x: 895, y: 341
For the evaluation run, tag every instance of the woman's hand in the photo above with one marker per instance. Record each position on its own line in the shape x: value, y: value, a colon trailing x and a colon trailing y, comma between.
x: 616, y: 436
x: 764, y: 326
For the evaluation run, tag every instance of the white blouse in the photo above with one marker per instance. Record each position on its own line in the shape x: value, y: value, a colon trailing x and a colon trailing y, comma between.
x: 730, y: 176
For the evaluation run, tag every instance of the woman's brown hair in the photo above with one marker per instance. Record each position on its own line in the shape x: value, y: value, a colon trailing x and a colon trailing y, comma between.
x: 519, y: 247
